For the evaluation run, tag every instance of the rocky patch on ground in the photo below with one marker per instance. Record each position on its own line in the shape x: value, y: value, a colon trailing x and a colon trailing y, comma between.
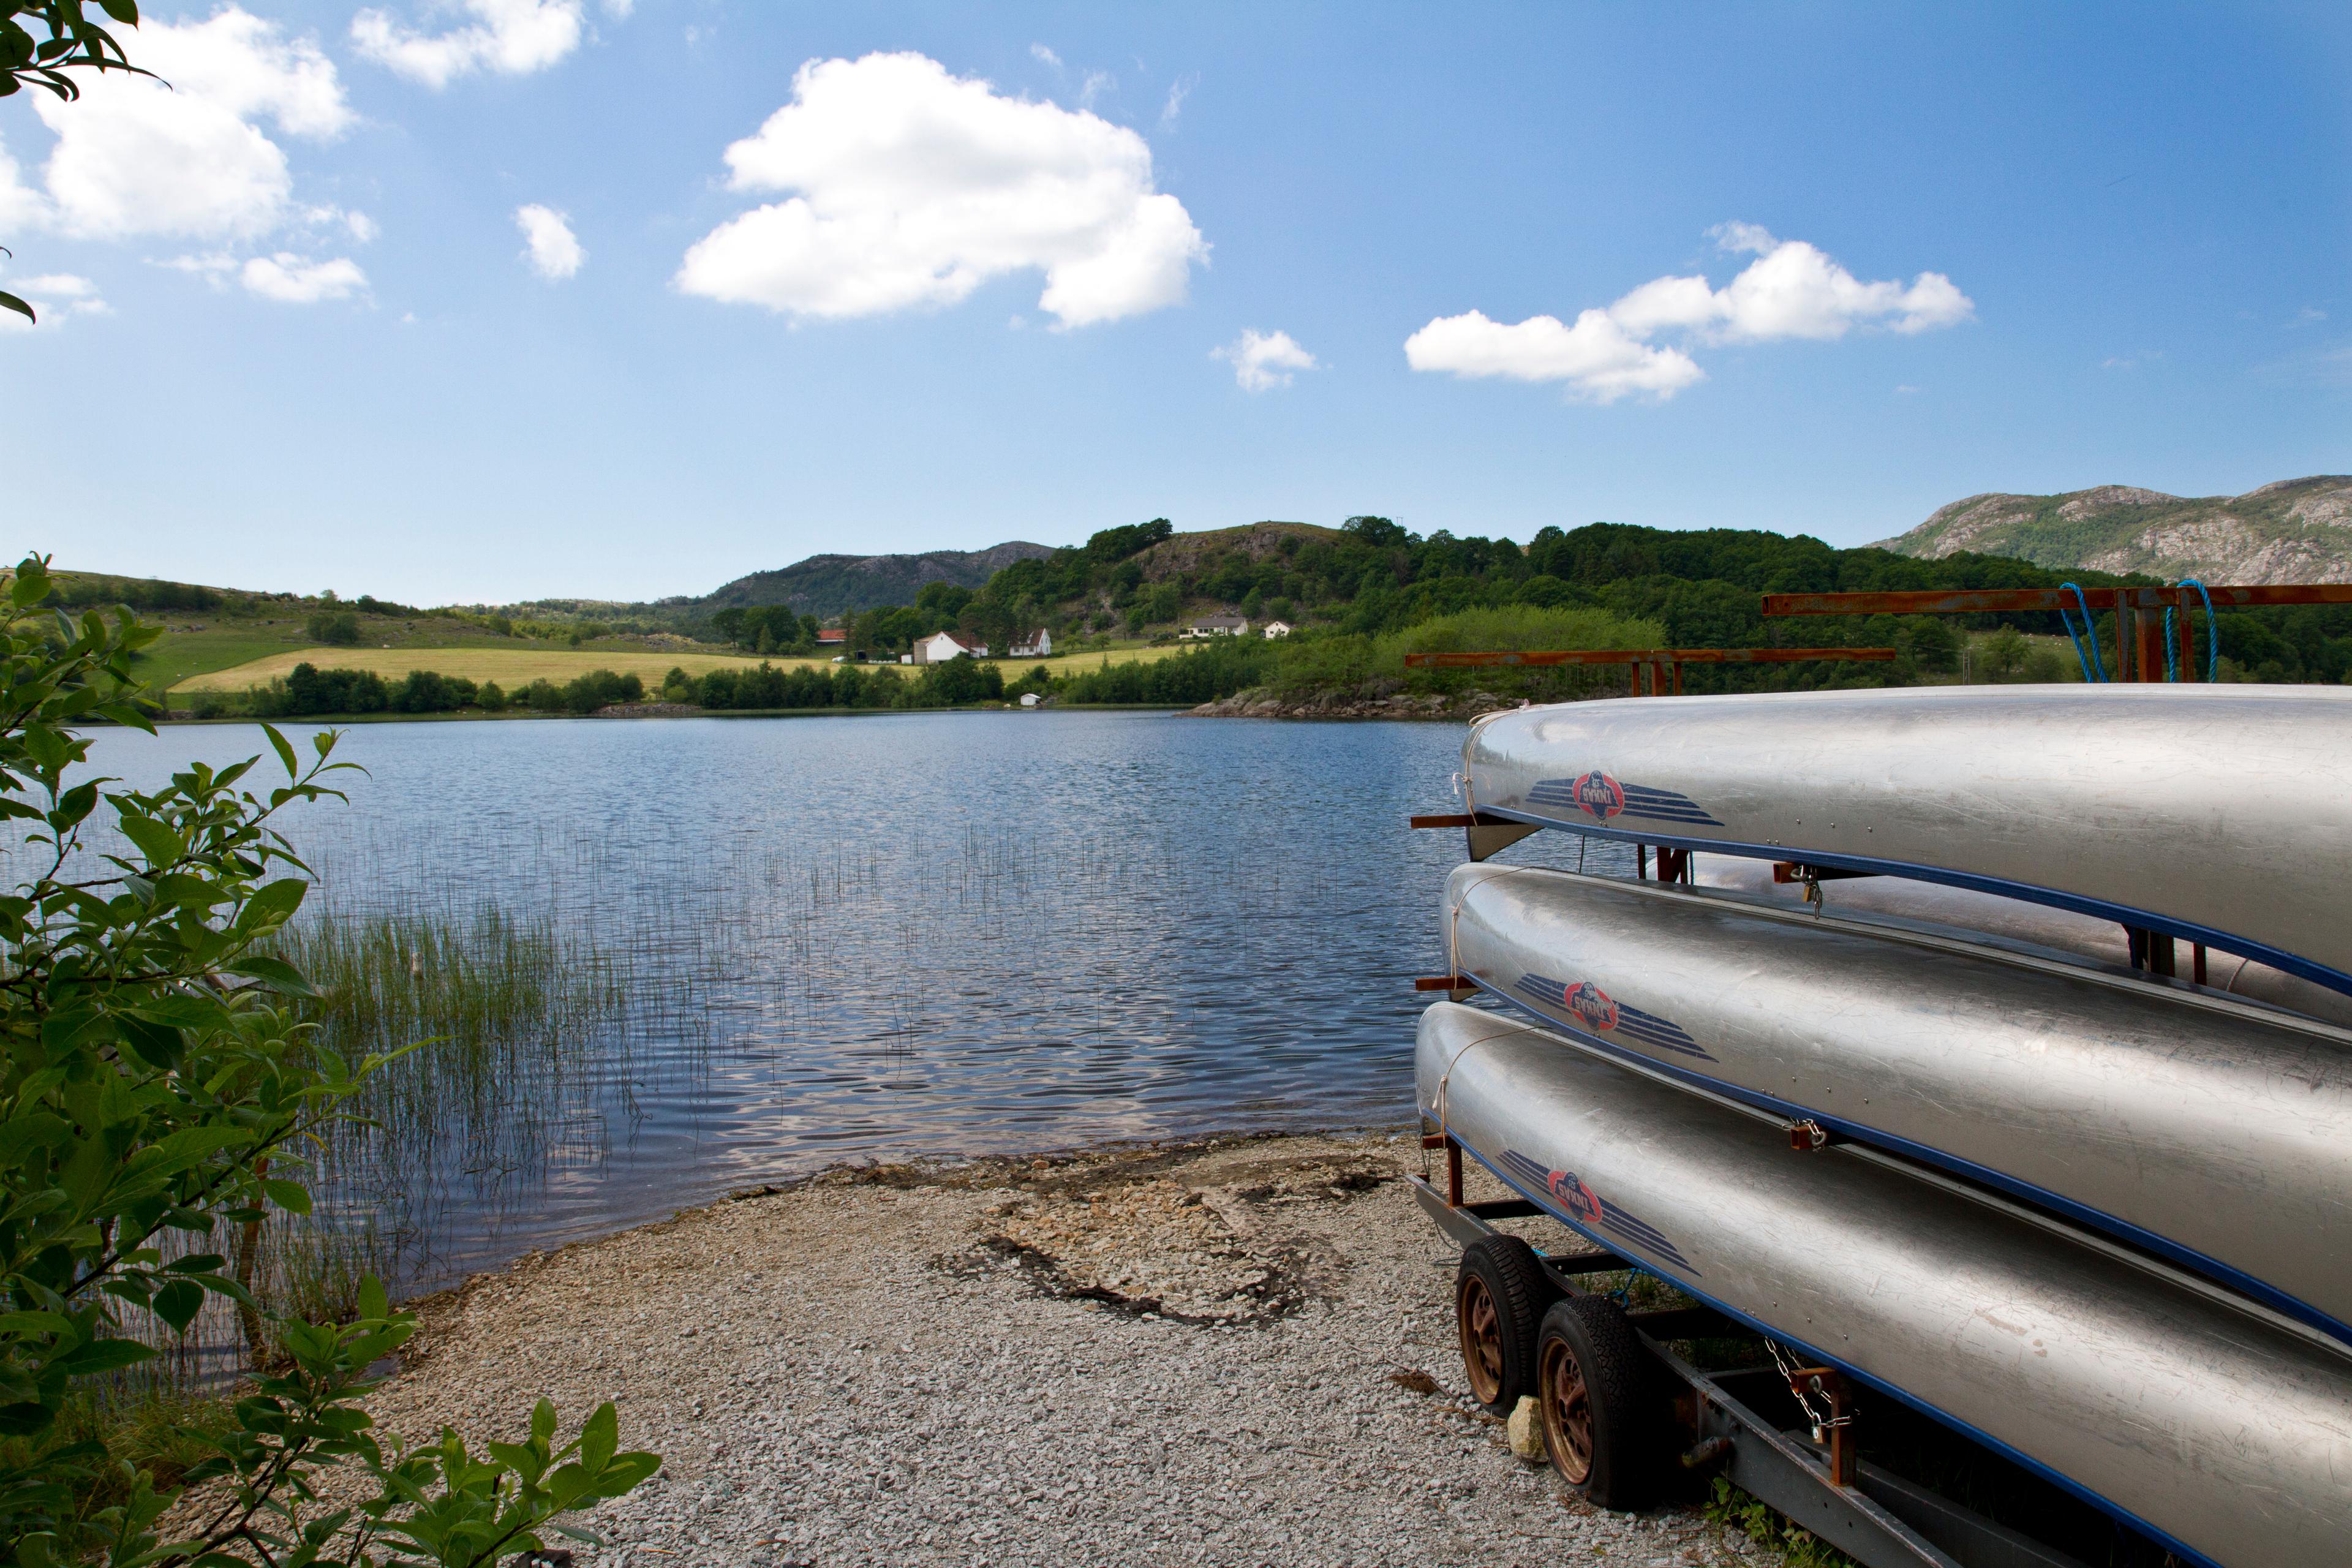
x: 1261, y: 703
x: 1160, y: 1248
x: 827, y: 1387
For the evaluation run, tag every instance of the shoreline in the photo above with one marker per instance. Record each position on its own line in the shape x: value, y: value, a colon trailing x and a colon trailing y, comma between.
x: 1258, y: 702
x: 672, y: 710
x: 1223, y: 1349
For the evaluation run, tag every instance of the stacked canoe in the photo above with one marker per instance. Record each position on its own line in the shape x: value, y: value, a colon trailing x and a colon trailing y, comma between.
x: 2096, y: 1217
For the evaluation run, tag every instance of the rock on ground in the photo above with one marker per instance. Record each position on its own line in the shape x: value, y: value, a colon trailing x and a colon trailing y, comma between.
x: 1240, y: 1353
x: 1370, y: 703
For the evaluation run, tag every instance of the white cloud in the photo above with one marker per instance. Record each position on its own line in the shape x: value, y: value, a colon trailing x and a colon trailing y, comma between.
x: 1046, y: 56
x: 1791, y: 290
x: 914, y: 187
x: 549, y: 244
x: 1264, y: 361
x: 55, y: 297
x: 297, y: 281
x: 1597, y: 356
x: 136, y: 157
x: 513, y: 38
x: 1095, y: 85
x: 1178, y: 91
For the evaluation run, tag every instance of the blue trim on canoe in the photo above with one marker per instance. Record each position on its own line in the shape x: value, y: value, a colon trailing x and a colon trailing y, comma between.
x: 1822, y: 1357
x: 2123, y: 914
x: 2171, y: 1251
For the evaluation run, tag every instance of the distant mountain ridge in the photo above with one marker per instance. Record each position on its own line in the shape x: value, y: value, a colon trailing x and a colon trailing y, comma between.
x: 2296, y: 531
x: 822, y: 585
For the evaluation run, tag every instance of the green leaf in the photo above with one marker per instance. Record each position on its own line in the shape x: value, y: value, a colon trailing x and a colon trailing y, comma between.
x: 284, y: 749
x: 160, y: 1045
x: 74, y: 804
x: 542, y: 1422
x: 275, y: 974
x: 600, y: 1437
x: 157, y: 842
x: 374, y: 1303
x: 272, y: 904
x: 103, y: 1355
x: 178, y: 1302
x: 291, y: 1197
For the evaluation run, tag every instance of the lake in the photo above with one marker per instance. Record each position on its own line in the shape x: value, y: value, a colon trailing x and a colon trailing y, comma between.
x: 879, y: 936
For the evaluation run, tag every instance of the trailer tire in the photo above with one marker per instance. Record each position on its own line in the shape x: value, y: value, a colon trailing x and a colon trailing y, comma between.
x: 1499, y: 1296
x: 1597, y: 1392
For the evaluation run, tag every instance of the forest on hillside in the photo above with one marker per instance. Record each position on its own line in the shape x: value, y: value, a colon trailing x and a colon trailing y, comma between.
x: 1373, y: 581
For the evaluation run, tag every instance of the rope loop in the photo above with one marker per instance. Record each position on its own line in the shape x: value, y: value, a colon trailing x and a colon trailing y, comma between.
x: 2093, y: 671
x: 2212, y: 632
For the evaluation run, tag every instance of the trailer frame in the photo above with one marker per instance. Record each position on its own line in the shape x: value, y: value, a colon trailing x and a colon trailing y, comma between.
x: 1878, y: 1519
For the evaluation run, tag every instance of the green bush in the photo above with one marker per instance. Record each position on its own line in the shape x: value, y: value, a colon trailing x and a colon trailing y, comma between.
x: 339, y: 628
x: 159, y: 1080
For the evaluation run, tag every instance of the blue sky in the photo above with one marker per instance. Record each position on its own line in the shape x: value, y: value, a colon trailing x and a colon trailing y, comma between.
x: 977, y: 287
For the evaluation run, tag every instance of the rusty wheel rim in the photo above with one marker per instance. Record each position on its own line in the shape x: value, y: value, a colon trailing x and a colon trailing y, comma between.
x: 1566, y: 1412
x: 1482, y: 1339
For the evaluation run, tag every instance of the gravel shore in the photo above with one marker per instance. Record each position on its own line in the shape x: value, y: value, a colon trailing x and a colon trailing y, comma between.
x: 1232, y: 1352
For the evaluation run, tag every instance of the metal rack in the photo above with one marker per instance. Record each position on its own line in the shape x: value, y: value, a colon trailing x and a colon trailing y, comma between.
x: 1875, y: 1517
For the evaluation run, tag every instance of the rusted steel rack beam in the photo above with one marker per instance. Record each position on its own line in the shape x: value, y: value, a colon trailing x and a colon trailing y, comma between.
x: 1658, y: 671
x: 2139, y: 612
x: 1643, y: 655
x: 1994, y: 601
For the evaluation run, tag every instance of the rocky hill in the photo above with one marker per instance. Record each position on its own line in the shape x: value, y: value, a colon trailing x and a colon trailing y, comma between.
x: 822, y: 585
x: 2296, y: 531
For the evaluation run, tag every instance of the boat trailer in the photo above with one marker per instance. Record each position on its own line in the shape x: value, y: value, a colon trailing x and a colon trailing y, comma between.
x: 1720, y: 1426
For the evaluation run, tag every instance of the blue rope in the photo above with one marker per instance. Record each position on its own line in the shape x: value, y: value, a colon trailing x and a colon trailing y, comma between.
x: 2212, y: 631
x: 2092, y: 669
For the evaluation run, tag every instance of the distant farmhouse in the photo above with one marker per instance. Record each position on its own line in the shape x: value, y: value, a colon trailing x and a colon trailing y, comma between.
x: 1215, y: 626
x: 1038, y: 644
x: 832, y: 637
x: 1276, y: 629
x: 941, y: 646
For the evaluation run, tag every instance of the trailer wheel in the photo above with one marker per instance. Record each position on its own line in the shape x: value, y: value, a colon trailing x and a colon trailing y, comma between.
x: 1593, y: 1387
x: 1499, y: 1296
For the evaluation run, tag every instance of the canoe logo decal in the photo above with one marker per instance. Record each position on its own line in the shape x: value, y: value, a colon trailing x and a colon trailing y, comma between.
x: 1582, y: 1004
x: 1601, y: 797
x: 1584, y: 1208
x: 1592, y: 1004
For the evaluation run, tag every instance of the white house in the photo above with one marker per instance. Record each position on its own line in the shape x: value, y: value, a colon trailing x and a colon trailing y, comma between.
x: 1038, y: 644
x: 1215, y: 626
x: 941, y: 646
x: 1278, y: 628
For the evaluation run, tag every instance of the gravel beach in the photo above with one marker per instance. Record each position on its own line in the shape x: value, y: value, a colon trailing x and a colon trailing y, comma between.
x: 1239, y: 1351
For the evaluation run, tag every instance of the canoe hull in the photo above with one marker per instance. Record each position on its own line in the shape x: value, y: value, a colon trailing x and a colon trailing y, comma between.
x: 2212, y: 813
x: 1961, y: 910
x: 2216, y: 1133
x: 2229, y: 1437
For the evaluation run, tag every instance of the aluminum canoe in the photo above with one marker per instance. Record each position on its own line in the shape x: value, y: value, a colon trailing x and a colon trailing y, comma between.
x: 1961, y: 910
x: 2213, y: 1132
x: 2226, y: 1435
x: 2218, y: 814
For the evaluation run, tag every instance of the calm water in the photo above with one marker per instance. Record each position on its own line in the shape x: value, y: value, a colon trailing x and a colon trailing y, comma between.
x: 876, y: 937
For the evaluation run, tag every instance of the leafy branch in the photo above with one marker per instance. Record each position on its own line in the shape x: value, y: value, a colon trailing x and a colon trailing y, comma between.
x: 72, y: 42
x: 157, y: 1072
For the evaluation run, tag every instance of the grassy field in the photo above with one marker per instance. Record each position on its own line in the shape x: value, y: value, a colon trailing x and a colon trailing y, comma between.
x: 191, y: 648
x: 513, y: 667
